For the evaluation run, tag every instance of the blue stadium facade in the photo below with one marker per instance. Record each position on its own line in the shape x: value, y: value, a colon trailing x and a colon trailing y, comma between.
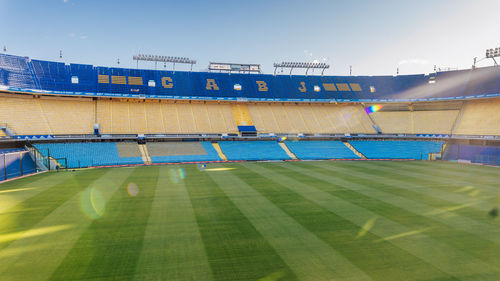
x: 25, y: 75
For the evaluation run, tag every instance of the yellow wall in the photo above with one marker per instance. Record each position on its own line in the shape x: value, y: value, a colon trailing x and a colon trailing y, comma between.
x: 480, y: 118
x: 309, y: 118
x: 125, y: 117
x: 416, y: 122
x: 27, y: 115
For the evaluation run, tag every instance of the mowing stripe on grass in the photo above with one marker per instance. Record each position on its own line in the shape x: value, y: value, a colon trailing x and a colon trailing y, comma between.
x: 235, y: 249
x: 30, y: 212
x: 414, y: 193
x: 454, y: 198
x: 110, y: 246
x: 480, y: 229
x: 486, y: 183
x: 34, y: 185
x: 172, y: 247
x: 26, y: 180
x: 474, y: 243
x: 482, y: 170
x: 308, y: 256
x: 480, y: 173
x: 43, y: 252
x: 444, y: 257
x: 376, y: 260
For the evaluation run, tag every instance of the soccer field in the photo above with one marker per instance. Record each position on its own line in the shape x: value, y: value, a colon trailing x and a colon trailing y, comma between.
x: 316, y: 221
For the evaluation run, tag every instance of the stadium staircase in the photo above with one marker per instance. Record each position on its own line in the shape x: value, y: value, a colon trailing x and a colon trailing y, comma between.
x: 219, y: 151
x: 145, y: 154
x: 354, y: 150
x: 288, y: 151
x: 5, y: 131
x: 459, y: 118
x: 243, y: 120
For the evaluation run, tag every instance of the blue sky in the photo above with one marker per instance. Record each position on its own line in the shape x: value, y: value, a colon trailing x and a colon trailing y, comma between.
x: 375, y: 37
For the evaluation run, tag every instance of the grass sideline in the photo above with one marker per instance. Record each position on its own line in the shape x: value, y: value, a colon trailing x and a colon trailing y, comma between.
x: 318, y: 220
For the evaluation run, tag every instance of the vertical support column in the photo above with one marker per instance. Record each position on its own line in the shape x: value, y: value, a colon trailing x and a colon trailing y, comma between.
x: 4, y: 166
x: 21, y: 162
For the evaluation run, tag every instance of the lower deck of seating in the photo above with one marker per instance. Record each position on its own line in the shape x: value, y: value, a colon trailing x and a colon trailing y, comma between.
x: 86, y: 154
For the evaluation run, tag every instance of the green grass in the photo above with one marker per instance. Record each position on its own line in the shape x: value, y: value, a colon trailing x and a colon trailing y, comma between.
x: 254, y: 221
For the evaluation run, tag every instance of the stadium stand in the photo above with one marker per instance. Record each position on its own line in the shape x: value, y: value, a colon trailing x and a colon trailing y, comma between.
x: 483, y: 154
x: 253, y: 150
x: 312, y: 150
x: 172, y: 152
x: 76, y: 116
x: 23, y: 115
x: 23, y: 73
x: 15, y: 162
x: 138, y: 117
x: 66, y: 116
x: 424, y: 122
x: 416, y: 122
x: 397, y: 149
x: 43, y: 99
x: 15, y: 71
x: 480, y: 117
x: 27, y: 115
x: 309, y: 118
x: 87, y: 154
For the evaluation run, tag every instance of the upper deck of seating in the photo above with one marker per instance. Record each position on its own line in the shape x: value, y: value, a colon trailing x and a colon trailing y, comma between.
x: 24, y: 74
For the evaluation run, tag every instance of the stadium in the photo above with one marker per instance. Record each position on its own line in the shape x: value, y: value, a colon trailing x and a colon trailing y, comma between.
x: 229, y: 173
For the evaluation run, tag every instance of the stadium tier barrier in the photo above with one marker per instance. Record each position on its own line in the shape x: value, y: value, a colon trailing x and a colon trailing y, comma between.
x: 418, y: 150
x: 482, y: 154
x: 15, y: 163
x: 253, y: 150
x: 311, y: 150
x: 87, y: 154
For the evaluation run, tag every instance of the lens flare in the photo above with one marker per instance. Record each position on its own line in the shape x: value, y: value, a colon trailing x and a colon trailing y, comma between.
x: 93, y: 203
x: 282, y: 139
x: 132, y: 189
x: 181, y: 173
x: 201, y: 167
x: 373, y: 108
x: 176, y: 175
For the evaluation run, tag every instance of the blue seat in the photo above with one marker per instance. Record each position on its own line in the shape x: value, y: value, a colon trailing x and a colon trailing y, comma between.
x: 253, y: 150
x: 86, y: 154
x: 211, y: 155
x: 397, y: 149
x: 311, y: 150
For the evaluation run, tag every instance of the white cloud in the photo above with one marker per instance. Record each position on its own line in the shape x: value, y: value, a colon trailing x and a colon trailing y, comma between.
x: 66, y: 1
